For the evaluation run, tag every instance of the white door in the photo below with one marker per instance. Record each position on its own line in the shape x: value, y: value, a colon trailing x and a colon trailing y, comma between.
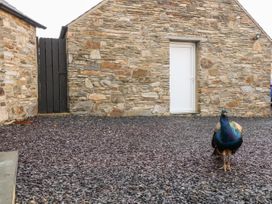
x: 182, y: 78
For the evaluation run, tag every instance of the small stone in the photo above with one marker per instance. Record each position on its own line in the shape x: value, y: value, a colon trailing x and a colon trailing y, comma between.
x: 213, y: 72
x: 121, y: 106
x: 32, y: 109
x: 90, y: 73
x: 96, y: 84
x: 257, y: 46
x: 3, y: 114
x: 88, y: 83
x: 2, y: 92
x: 103, y: 44
x: 92, y: 45
x: 98, y: 22
x: 70, y: 58
x: 261, y: 89
x: 117, y: 98
x: 215, y: 99
x: 140, y: 73
x: 32, y: 202
x: 156, y: 84
x: 206, y: 63
x: 146, y: 53
x: 136, y: 111
x: 82, y: 106
x: 233, y: 104
x: 110, y: 65
x: 151, y: 95
x: 116, y: 112
x: 247, y: 89
x: 97, y: 97
x: 8, y: 55
x: 159, y: 109
x: 249, y: 79
x: 224, y: 79
x: 95, y: 54
x: 11, y: 73
x: 18, y: 110
x: 92, y: 65
x: 158, y: 90
x: 105, y: 83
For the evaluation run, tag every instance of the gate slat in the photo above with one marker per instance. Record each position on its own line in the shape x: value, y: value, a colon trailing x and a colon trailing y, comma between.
x: 49, y: 76
x: 42, y: 78
x: 56, y: 79
x: 63, y: 75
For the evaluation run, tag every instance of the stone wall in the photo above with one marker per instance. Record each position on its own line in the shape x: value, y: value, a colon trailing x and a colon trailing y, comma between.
x: 119, y: 58
x: 18, y: 71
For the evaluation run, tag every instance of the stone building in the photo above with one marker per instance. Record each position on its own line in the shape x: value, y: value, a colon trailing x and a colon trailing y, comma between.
x: 160, y: 57
x: 18, y: 64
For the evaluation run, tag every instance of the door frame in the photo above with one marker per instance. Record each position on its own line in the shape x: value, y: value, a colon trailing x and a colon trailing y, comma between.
x: 194, y: 55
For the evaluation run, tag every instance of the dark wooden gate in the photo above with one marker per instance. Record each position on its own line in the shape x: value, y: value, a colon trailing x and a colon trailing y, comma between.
x: 52, y: 75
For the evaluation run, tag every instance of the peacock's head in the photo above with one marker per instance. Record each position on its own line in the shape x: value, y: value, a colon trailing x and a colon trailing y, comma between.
x: 224, y: 112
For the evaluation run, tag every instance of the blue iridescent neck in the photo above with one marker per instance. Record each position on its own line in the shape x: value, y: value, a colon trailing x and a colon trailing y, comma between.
x: 226, y: 132
x: 224, y: 121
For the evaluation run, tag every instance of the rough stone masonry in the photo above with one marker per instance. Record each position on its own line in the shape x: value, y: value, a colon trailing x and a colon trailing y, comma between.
x: 119, y: 58
x: 18, y: 68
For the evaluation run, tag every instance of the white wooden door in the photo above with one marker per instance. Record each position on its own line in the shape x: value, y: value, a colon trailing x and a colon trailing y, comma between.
x: 182, y: 78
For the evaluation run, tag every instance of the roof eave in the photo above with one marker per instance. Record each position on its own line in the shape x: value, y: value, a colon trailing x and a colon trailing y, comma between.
x: 25, y: 18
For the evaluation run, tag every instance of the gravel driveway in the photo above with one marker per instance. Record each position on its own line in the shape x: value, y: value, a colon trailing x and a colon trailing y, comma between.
x: 137, y: 160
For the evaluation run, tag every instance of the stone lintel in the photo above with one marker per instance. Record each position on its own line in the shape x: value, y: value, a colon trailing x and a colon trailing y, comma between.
x: 186, y: 38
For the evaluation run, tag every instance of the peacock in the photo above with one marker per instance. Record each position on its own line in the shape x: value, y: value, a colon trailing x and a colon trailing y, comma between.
x: 227, y: 139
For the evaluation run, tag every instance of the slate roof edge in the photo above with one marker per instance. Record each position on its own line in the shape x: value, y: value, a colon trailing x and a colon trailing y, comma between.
x: 14, y: 12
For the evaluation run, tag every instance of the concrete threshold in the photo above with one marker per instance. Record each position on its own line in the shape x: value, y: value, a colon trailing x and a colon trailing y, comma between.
x: 8, y: 172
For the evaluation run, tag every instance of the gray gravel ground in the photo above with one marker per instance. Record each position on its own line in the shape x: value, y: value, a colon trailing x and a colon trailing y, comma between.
x: 137, y: 160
